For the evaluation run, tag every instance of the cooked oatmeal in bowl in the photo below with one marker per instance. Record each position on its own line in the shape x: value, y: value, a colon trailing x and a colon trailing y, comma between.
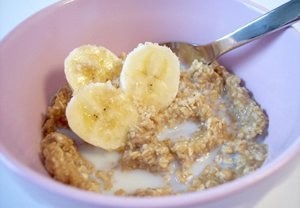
x: 205, y: 131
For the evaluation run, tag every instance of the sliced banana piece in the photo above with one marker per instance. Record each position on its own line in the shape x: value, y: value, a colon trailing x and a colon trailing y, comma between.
x: 88, y: 64
x: 101, y: 115
x: 150, y: 74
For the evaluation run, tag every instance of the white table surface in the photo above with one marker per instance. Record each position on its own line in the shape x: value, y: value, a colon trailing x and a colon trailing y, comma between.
x: 12, y: 12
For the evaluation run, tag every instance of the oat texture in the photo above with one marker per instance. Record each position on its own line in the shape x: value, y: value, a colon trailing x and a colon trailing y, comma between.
x: 229, y: 122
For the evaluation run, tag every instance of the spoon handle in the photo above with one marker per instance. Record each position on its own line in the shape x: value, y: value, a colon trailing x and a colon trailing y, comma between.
x: 276, y: 19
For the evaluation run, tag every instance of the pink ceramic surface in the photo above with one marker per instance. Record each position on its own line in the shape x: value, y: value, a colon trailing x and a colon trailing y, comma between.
x: 31, y: 70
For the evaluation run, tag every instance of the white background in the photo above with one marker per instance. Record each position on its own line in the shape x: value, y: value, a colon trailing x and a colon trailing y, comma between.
x: 12, y: 12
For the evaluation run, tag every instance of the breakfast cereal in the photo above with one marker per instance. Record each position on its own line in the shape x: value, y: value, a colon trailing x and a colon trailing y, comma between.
x: 226, y: 120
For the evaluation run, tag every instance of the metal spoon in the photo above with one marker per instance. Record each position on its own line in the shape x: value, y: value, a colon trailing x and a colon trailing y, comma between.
x: 274, y: 20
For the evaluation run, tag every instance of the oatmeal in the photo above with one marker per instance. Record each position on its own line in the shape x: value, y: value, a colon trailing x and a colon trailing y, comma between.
x: 205, y: 137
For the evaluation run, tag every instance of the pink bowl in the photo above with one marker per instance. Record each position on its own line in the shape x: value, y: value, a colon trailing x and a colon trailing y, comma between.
x: 31, y: 70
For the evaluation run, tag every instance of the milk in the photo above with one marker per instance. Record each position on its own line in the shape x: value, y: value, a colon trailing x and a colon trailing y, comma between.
x: 102, y: 159
x: 185, y: 129
x: 132, y: 180
x: 136, y: 179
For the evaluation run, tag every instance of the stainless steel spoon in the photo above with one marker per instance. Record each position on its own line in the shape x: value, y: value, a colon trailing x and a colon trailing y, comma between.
x: 274, y: 20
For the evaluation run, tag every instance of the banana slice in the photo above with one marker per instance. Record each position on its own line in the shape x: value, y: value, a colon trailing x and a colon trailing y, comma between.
x: 88, y: 64
x: 101, y: 115
x: 150, y: 74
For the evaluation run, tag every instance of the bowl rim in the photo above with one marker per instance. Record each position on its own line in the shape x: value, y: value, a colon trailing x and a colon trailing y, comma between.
x: 188, y: 199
